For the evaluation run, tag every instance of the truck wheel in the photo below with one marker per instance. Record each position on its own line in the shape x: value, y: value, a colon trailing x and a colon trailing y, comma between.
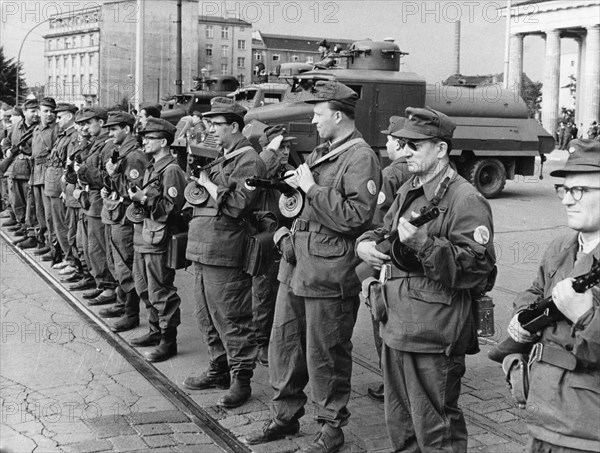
x: 487, y: 175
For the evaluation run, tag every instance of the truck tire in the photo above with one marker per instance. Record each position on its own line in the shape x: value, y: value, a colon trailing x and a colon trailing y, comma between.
x: 487, y: 175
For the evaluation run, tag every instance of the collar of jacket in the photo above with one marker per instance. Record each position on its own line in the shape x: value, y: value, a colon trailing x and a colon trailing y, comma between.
x: 430, y: 187
x: 243, y: 141
x: 162, y: 163
x: 129, y: 144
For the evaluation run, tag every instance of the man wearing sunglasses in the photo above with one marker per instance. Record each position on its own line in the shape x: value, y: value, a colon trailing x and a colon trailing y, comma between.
x: 429, y: 325
x: 565, y: 363
x: 216, y: 244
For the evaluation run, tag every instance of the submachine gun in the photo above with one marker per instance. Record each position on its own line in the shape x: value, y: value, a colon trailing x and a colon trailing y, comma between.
x: 15, y: 150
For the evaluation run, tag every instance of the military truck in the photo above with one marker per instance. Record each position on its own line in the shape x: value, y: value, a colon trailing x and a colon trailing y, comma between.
x: 495, y: 140
x: 257, y: 95
x: 185, y: 104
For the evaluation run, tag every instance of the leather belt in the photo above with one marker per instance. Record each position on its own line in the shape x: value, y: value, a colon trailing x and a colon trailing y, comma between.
x: 205, y: 212
x: 305, y: 225
x: 390, y: 272
x: 554, y: 356
x: 40, y: 160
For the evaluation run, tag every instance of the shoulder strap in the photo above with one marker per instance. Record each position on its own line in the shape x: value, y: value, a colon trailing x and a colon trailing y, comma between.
x: 339, y: 150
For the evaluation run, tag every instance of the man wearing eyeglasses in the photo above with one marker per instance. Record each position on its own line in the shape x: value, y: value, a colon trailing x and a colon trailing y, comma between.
x: 429, y: 325
x: 216, y: 244
x: 564, y: 373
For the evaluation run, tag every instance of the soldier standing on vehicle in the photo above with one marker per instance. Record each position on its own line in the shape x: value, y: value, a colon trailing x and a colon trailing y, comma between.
x: 564, y: 369
x: 126, y: 166
x: 163, y: 201
x: 216, y: 245
x: 428, y: 327
x: 317, y: 302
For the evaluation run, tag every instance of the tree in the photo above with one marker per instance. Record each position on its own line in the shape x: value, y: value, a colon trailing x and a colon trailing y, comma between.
x: 531, y: 93
x: 8, y: 74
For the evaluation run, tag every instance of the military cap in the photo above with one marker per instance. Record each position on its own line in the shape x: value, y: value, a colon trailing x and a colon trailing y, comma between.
x: 584, y: 157
x: 152, y: 110
x: 31, y: 104
x: 197, y: 113
x: 158, y: 125
x: 324, y: 43
x: 396, y: 123
x: 48, y: 102
x: 116, y: 117
x: 65, y: 107
x: 425, y: 123
x: 332, y: 90
x: 271, y: 132
x: 17, y: 111
x: 221, y: 105
x: 87, y: 113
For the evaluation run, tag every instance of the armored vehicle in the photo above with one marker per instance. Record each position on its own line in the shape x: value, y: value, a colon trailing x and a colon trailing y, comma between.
x: 185, y: 104
x: 495, y: 140
x: 260, y: 94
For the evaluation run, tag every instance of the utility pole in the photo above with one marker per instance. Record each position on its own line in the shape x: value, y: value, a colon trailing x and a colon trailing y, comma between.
x: 139, y: 55
x: 507, y: 46
x: 179, y: 82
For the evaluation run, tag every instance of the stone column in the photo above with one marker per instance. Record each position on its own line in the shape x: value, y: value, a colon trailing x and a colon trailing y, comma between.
x: 578, y: 74
x: 515, y: 63
x: 551, y: 81
x: 591, y: 97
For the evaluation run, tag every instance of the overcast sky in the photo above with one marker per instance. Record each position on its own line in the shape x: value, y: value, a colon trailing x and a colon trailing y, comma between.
x: 425, y: 29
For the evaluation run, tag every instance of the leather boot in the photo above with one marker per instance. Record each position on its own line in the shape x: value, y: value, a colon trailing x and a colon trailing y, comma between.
x: 239, y: 392
x: 28, y: 243
x: 152, y: 338
x: 167, y: 347
x: 217, y: 376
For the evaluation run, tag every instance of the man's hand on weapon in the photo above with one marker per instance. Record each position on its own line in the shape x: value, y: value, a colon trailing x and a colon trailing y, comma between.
x: 136, y: 195
x: 111, y: 168
x: 202, y: 179
x: 572, y: 304
x: 367, y: 252
x: 410, y: 235
x: 302, y: 178
x: 104, y: 193
x: 518, y: 333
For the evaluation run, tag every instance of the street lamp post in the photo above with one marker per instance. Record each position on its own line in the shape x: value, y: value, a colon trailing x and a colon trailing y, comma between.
x: 19, y: 59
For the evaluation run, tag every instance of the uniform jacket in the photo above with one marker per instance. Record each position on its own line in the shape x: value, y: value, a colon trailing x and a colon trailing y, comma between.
x: 430, y: 311
x: 81, y: 148
x: 567, y: 403
x: 218, y: 231
x: 43, y: 141
x: 21, y: 167
x: 340, y: 206
x: 392, y: 177
x: 130, y: 169
x: 63, y: 147
x: 164, y: 204
x: 91, y: 172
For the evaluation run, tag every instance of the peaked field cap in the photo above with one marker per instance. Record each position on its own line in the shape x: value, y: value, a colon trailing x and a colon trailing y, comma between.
x: 31, y: 104
x: 117, y: 117
x: 158, y: 125
x: 332, y: 90
x: 423, y: 123
x: 17, y: 111
x: 584, y: 157
x: 87, y: 113
x: 65, y: 107
x: 396, y: 123
x: 48, y: 102
x: 221, y: 105
x: 271, y: 132
x: 152, y: 109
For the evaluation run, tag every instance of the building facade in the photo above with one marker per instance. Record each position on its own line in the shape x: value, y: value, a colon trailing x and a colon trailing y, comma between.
x: 225, y: 47
x: 90, y: 53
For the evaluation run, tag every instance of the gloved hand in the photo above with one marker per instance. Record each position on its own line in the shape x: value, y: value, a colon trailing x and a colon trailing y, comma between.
x: 275, y: 143
x: 518, y: 333
x: 283, y: 241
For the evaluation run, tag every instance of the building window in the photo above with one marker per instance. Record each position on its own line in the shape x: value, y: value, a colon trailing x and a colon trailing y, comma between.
x: 81, y: 62
x: 276, y: 57
x: 209, y: 32
x: 224, y: 68
x: 49, y: 44
x: 81, y: 83
x: 241, y: 44
x: 82, y: 41
x: 225, y: 51
x: 209, y: 50
x: 295, y: 58
x: 91, y: 40
x: 224, y: 32
x: 73, y: 83
x: 310, y: 59
x: 241, y: 62
x: 257, y: 56
x: 66, y: 43
x: 73, y: 43
x: 241, y: 79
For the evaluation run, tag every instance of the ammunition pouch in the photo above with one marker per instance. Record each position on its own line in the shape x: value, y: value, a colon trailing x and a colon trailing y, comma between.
x: 52, y: 184
x: 153, y: 232
x: 517, y: 377
x: 113, y: 211
x: 84, y: 200
x: 176, y: 251
x: 283, y: 240
x: 373, y: 294
x: 260, y: 248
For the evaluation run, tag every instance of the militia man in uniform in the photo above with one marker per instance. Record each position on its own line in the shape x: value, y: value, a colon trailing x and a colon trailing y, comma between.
x: 564, y: 368
x: 318, y: 302
x: 429, y: 325
x: 91, y: 181
x: 216, y: 245
x: 163, y: 201
x: 128, y: 168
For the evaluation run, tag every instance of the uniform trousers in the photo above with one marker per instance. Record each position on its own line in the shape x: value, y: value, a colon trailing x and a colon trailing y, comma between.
x: 91, y: 231
x: 264, y: 295
x: 539, y: 446
x: 58, y: 212
x: 421, y: 401
x: 311, y: 340
x: 43, y: 215
x: 154, y: 282
x: 4, y: 190
x: 224, y: 315
x: 20, y: 192
x: 75, y: 219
